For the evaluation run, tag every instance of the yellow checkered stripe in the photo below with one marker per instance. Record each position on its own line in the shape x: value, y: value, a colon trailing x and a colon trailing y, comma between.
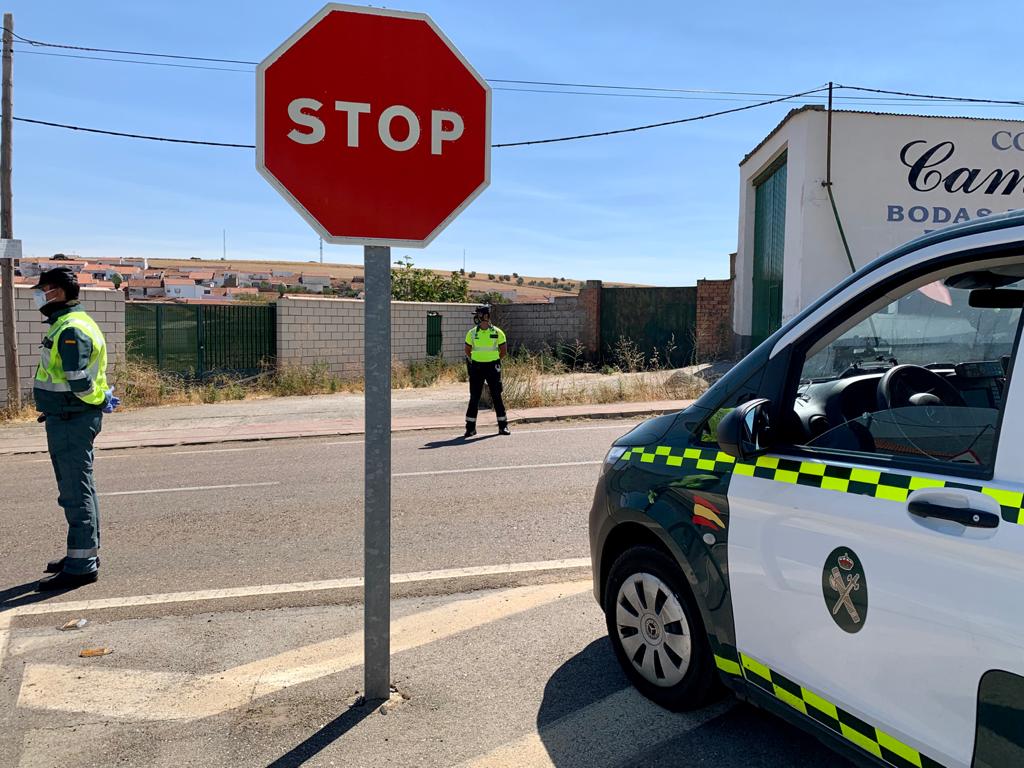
x: 870, y: 739
x: 706, y: 460
x: 890, y: 486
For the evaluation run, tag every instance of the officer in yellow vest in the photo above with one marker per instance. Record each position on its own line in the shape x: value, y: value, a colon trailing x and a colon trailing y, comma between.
x: 485, y: 348
x: 71, y: 395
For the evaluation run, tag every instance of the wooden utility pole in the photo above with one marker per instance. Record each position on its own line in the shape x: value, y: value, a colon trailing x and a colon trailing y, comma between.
x: 7, y: 220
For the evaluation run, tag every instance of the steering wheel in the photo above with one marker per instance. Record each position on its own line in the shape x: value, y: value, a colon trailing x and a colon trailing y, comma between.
x: 906, y: 385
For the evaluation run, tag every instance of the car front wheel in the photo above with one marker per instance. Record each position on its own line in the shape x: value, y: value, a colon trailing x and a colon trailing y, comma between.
x: 656, y: 630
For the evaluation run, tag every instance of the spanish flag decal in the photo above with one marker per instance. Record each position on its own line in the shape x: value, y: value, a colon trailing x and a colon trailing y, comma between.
x: 707, y: 514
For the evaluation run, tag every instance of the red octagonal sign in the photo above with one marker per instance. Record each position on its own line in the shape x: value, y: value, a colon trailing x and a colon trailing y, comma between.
x: 373, y: 126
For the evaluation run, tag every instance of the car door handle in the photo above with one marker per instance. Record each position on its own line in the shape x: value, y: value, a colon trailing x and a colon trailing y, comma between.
x: 972, y: 518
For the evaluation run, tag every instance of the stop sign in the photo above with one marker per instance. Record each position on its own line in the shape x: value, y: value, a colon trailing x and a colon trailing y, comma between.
x: 373, y: 126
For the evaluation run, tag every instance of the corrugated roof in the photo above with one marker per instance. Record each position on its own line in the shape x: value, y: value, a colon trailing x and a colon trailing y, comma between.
x: 820, y: 108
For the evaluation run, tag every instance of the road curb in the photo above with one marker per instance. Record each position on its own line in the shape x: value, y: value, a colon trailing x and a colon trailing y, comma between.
x: 184, y: 438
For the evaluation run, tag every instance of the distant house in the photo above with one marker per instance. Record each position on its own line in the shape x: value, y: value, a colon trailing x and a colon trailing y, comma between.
x: 140, y: 290
x: 183, y: 288
x: 201, y: 277
x: 315, y: 283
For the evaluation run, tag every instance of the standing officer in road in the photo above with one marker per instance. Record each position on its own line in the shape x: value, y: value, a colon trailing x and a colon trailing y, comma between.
x: 71, y: 395
x: 485, y: 349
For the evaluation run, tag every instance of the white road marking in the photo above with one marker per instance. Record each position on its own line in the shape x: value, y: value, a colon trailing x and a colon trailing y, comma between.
x: 188, y: 488
x: 160, y: 696
x: 5, y: 631
x: 618, y: 727
x: 505, y: 569
x: 496, y: 469
x: 218, y: 450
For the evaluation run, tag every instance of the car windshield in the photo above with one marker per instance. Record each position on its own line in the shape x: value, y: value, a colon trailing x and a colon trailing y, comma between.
x: 932, y: 326
x: 924, y: 377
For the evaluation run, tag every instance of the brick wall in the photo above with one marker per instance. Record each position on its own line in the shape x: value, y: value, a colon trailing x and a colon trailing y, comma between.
x: 714, y: 320
x: 323, y: 330
x: 106, y: 308
x: 534, y: 326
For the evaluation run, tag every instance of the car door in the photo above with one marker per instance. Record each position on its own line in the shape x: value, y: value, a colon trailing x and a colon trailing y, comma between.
x: 878, y: 622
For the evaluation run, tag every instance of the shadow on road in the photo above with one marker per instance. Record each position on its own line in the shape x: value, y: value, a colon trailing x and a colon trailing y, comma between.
x: 741, y: 737
x: 456, y: 441
x: 24, y: 594
x: 323, y: 738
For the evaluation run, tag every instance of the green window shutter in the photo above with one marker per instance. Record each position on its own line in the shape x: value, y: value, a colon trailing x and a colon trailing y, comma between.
x: 769, y: 244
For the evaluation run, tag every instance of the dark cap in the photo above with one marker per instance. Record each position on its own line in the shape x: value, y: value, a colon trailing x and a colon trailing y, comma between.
x: 482, y: 310
x: 59, y: 277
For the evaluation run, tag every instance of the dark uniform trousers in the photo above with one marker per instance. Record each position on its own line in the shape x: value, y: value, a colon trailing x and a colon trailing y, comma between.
x: 491, y: 374
x: 70, y: 438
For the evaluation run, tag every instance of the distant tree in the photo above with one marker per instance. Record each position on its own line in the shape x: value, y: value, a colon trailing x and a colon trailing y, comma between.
x: 490, y: 297
x: 462, y: 272
x: 411, y: 283
x: 515, y: 274
x: 472, y: 274
x: 519, y: 280
x: 490, y: 277
x: 116, y: 279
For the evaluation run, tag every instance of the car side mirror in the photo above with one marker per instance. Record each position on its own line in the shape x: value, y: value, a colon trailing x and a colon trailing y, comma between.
x: 745, y: 432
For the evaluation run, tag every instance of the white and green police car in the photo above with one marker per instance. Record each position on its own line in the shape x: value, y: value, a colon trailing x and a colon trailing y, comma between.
x: 835, y: 529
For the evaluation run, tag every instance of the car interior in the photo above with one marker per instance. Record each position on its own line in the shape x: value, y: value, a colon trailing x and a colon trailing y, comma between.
x: 922, y: 377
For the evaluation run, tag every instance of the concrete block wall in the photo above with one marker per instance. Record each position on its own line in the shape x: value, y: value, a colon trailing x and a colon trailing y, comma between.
x: 323, y: 330
x: 534, y: 326
x: 714, y: 320
x: 106, y: 308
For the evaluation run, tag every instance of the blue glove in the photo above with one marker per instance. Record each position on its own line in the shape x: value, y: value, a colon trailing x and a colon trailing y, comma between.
x: 111, y: 402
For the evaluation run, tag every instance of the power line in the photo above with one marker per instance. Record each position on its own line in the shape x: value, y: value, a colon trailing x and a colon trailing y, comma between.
x: 149, y: 137
x: 133, y: 135
x: 931, y: 96
x: 656, y: 125
x: 42, y: 44
x: 545, y: 83
x: 132, y: 61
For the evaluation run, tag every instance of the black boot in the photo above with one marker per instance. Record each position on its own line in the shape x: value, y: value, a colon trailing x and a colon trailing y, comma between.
x: 56, y: 566
x: 63, y: 580
x: 503, y: 428
x: 470, y: 429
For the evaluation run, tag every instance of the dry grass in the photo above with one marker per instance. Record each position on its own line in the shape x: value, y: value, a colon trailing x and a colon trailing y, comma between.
x: 27, y: 412
x: 427, y: 373
x: 546, y: 378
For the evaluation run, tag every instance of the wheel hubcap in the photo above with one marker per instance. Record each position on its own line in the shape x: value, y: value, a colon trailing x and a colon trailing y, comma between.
x: 653, y: 629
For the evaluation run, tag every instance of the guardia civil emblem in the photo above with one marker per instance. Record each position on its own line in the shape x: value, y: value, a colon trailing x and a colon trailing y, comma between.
x: 845, y: 588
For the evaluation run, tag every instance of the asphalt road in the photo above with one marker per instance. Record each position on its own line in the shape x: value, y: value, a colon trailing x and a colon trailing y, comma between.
x: 509, y: 676
x: 296, y: 511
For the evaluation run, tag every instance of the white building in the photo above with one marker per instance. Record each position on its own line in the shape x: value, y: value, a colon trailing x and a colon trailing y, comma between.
x: 894, y: 177
x: 183, y: 288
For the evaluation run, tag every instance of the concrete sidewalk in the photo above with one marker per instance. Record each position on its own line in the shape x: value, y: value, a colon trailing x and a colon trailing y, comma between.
x: 314, y: 416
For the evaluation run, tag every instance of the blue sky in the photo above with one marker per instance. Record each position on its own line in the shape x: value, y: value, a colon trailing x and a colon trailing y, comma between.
x: 657, y: 207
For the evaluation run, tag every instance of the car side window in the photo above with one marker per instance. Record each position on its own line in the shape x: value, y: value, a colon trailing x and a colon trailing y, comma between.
x: 921, y: 379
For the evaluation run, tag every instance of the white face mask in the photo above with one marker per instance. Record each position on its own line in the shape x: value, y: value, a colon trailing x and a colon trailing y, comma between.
x: 39, y: 297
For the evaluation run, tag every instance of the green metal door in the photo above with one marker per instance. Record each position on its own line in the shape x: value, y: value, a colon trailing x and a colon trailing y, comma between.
x: 434, y: 338
x: 769, y: 242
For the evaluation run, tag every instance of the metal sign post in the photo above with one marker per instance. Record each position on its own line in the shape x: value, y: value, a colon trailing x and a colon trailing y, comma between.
x: 377, y: 470
x: 415, y: 141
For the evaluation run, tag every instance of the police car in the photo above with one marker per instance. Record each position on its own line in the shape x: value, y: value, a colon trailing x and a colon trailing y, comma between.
x: 835, y: 529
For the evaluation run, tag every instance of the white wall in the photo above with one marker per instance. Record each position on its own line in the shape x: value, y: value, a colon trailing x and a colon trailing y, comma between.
x: 873, y: 185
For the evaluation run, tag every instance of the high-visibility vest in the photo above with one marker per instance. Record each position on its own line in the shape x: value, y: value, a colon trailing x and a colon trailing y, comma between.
x: 485, y: 343
x: 51, y: 376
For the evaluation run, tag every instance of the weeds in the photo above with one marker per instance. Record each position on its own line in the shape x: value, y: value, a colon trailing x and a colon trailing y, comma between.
x: 427, y: 373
